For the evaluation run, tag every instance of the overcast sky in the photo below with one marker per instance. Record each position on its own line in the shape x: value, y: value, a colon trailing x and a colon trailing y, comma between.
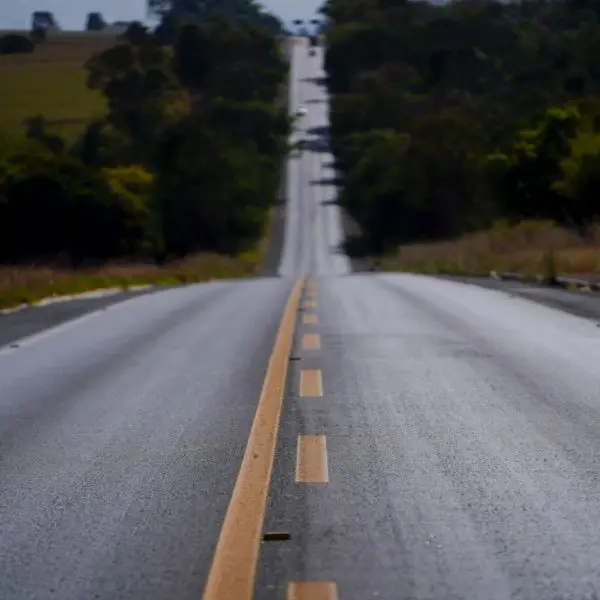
x: 15, y: 14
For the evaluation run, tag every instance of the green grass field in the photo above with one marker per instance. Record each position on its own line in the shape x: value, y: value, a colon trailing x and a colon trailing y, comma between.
x: 51, y: 82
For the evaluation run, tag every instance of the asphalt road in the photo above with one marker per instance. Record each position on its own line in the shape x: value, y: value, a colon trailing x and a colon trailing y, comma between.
x: 120, y: 438
x: 462, y: 435
x: 313, y: 224
x: 412, y: 438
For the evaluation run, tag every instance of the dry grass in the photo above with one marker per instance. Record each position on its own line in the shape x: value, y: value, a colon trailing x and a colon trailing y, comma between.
x: 26, y: 285
x: 522, y: 249
x: 52, y: 82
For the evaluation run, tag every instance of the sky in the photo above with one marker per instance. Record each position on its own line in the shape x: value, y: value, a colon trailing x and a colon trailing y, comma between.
x: 71, y: 13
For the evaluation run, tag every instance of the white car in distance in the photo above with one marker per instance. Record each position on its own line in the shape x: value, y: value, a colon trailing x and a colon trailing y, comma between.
x: 301, y: 112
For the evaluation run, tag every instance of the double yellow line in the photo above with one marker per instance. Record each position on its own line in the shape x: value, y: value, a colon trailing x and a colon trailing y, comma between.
x: 311, y: 450
x: 233, y: 570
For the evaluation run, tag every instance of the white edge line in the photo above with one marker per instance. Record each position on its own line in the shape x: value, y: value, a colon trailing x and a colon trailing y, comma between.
x: 9, y: 311
x: 90, y: 295
x: 37, y: 337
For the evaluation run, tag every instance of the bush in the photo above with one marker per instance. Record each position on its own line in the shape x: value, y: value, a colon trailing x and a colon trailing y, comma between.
x: 16, y: 44
x: 214, y: 192
x: 131, y: 191
x: 56, y: 206
x: 103, y: 146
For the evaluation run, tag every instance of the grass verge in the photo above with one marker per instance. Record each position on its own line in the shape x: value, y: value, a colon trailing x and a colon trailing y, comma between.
x: 52, y: 82
x: 531, y: 248
x: 57, y: 92
x: 27, y: 285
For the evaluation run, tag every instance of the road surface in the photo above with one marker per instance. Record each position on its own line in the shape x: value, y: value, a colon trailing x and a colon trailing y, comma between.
x: 411, y: 439
x: 313, y: 225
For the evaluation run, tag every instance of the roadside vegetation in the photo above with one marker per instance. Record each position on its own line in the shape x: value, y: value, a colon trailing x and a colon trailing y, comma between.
x: 175, y: 170
x: 28, y: 285
x: 531, y: 248
x: 467, y: 134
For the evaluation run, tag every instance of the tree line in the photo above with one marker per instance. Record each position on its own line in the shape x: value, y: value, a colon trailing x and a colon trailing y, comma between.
x: 446, y: 118
x: 187, y: 158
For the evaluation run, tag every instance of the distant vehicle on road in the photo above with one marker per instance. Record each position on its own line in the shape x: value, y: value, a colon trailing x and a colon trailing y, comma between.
x: 314, y: 40
x: 301, y: 112
x: 311, y: 52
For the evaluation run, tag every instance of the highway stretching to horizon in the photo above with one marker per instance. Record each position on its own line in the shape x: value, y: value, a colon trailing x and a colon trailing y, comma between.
x: 318, y: 434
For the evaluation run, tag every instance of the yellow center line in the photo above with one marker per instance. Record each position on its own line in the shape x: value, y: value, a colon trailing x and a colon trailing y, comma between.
x: 311, y: 383
x: 310, y: 319
x: 311, y: 459
x: 233, y: 569
x: 311, y: 341
x: 312, y: 590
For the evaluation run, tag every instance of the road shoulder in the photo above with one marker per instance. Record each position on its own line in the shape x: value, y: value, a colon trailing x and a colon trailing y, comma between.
x: 34, y: 319
x: 579, y: 303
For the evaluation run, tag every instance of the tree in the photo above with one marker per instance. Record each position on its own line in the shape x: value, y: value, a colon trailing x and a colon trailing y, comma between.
x: 242, y: 11
x: 139, y: 87
x: 95, y: 22
x: 44, y: 20
x: 192, y: 59
x: 157, y: 175
x: 210, y: 189
x: 537, y: 160
x: 497, y: 100
x: 220, y: 58
x: 137, y: 34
